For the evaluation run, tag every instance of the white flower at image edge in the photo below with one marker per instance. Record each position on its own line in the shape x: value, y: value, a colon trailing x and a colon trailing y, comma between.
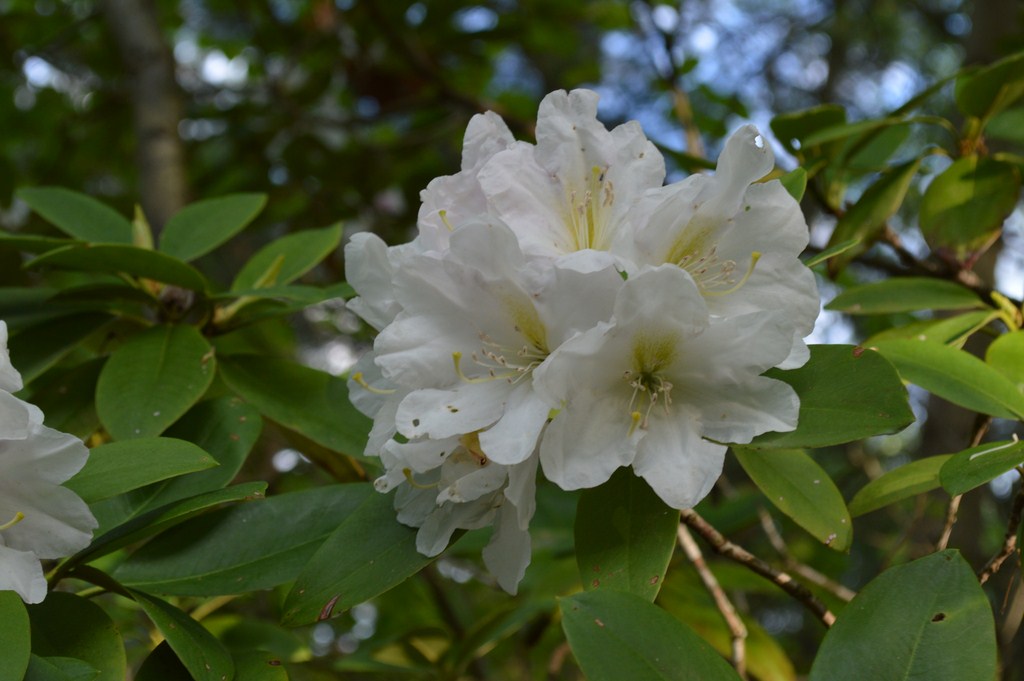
x: 39, y: 519
x: 646, y: 388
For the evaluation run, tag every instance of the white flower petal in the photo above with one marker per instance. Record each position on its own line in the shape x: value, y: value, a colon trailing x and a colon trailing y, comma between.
x: 507, y: 555
x: 738, y: 413
x: 513, y: 437
x: 522, y: 489
x: 587, y: 442
x: 10, y: 379
x: 21, y: 572
x: 678, y: 465
x: 443, y: 413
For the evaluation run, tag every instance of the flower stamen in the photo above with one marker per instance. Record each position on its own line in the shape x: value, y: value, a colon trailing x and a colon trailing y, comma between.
x: 754, y: 257
x: 358, y: 378
x: 18, y: 517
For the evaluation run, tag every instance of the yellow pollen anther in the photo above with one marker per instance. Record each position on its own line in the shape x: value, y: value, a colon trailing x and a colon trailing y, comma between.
x: 18, y: 517
x: 636, y: 418
x: 407, y: 472
x: 358, y: 378
x: 443, y: 214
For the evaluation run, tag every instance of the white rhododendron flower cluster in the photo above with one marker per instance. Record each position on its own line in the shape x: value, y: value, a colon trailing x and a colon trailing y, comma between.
x: 39, y: 519
x: 560, y: 307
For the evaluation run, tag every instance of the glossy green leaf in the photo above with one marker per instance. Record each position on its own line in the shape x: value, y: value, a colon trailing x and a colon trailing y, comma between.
x: 59, y: 669
x: 963, y: 209
x: 928, y: 619
x: 368, y: 553
x: 898, y: 484
x: 905, y: 294
x: 831, y: 251
x: 65, y: 625
x: 117, y: 467
x: 259, y: 666
x: 795, y: 484
x: 866, y: 218
x: 845, y: 395
x: 955, y: 375
x: 225, y: 427
x: 313, y: 403
x: 795, y: 182
x: 78, y: 215
x: 163, y: 665
x: 67, y: 398
x: 14, y: 636
x: 152, y: 380
x: 241, y: 548
x: 986, y: 91
x: 41, y: 346
x: 308, y: 295
x: 792, y: 129
x: 200, y: 653
x: 616, y: 635
x: 1006, y: 355
x: 976, y: 466
x: 138, y: 262
x: 301, y: 252
x: 948, y: 330
x: 31, y: 243
x: 625, y: 536
x: 200, y: 227
x: 159, y: 519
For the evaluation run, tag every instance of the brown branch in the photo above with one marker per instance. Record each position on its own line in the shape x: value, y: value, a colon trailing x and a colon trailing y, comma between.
x: 724, y: 547
x: 1009, y: 540
x: 737, y: 629
x: 156, y: 101
x: 981, y: 426
x: 806, y: 571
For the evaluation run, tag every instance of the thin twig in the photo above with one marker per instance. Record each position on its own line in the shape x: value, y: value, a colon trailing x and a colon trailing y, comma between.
x: 1010, y: 539
x: 981, y: 426
x: 737, y: 553
x: 737, y: 629
x: 806, y: 571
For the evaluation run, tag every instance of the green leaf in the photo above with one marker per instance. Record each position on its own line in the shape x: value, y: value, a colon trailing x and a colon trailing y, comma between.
x: 928, y: 619
x: 905, y: 294
x: 795, y: 182
x: 963, y: 209
x: 792, y: 129
x: 200, y: 227
x: 114, y: 259
x: 313, y: 403
x: 952, y: 330
x: 301, y: 252
x: 955, y: 375
x: 31, y: 243
x: 117, y: 467
x: 241, y: 548
x: 801, y: 489
x: 986, y: 91
x: 308, y: 295
x: 14, y: 636
x: 59, y: 669
x: 152, y: 380
x: 1006, y: 355
x: 160, y: 519
x: 202, y: 655
x: 163, y: 665
x: 625, y: 536
x: 976, y: 466
x: 67, y: 398
x: 225, y: 427
x: 866, y: 218
x: 830, y: 252
x: 368, y: 553
x: 259, y: 666
x: 41, y: 346
x: 845, y: 395
x: 616, y: 635
x: 898, y: 484
x: 78, y: 215
x: 66, y: 625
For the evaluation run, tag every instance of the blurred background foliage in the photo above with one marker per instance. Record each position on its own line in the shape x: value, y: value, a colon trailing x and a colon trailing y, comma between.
x: 346, y: 109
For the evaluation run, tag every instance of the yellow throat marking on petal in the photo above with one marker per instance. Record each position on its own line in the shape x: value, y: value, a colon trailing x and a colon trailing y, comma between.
x: 652, y: 354
x: 585, y: 219
x: 18, y: 517
x: 527, y: 322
